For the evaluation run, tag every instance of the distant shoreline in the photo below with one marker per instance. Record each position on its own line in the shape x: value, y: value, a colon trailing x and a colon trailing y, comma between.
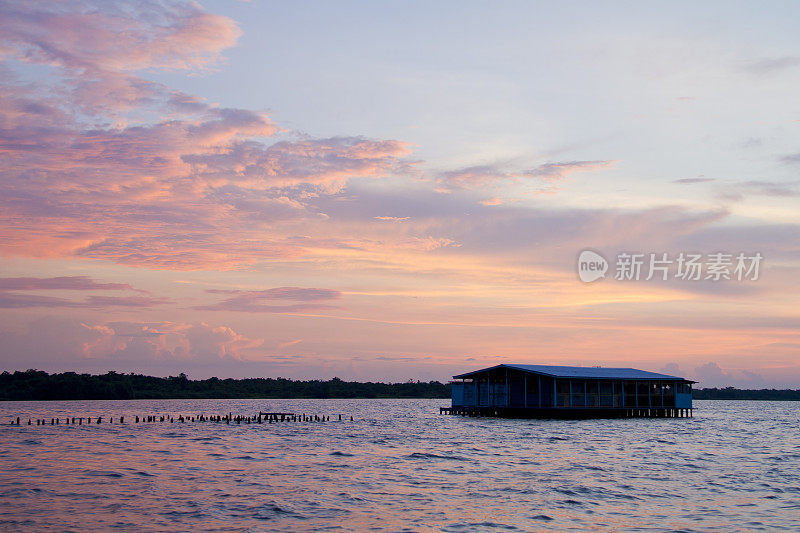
x: 41, y: 386
x: 36, y: 385
x: 731, y: 393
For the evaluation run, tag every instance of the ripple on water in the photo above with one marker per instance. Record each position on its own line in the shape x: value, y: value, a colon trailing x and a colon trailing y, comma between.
x: 102, y: 473
x: 433, y: 456
x: 399, y: 467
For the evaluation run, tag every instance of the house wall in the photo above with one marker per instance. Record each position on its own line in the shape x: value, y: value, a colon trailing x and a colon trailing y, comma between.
x: 457, y: 394
x: 514, y: 388
x: 470, y: 393
x: 683, y: 401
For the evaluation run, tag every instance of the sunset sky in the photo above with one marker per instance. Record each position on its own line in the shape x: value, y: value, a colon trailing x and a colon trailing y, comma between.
x: 396, y: 190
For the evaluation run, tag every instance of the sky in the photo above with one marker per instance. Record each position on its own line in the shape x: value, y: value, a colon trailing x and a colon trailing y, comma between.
x: 399, y: 190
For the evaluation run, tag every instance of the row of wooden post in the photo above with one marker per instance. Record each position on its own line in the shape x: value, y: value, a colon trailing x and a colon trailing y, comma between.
x: 261, y: 418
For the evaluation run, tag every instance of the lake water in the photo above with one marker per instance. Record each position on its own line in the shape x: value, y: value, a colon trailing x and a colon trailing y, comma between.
x: 399, y: 466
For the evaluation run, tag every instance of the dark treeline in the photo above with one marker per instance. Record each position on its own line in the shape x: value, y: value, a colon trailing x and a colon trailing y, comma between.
x: 731, y: 393
x: 38, y: 385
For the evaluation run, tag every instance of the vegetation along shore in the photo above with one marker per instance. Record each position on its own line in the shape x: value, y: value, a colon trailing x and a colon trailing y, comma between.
x: 39, y: 385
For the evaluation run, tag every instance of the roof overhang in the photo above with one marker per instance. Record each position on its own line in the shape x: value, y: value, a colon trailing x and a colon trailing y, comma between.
x: 579, y: 372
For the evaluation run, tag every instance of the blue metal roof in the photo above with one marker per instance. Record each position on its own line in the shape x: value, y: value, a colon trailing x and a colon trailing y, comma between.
x: 580, y: 372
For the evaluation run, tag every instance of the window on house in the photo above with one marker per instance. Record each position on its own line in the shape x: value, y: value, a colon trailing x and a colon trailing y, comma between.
x: 606, y: 394
x: 578, y: 393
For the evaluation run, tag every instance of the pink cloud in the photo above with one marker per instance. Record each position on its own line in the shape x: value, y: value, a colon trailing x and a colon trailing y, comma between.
x: 98, y: 46
x: 712, y: 375
x: 299, y: 293
x: 692, y: 181
x: 263, y: 301
x: 482, y: 176
x: 558, y: 171
x: 49, y: 340
x: 223, y: 291
x: 473, y: 177
x: 102, y: 36
x: 125, y: 301
x: 198, y: 187
x: 492, y: 201
x: 165, y: 340
x: 113, y: 93
x: 428, y: 243
x: 73, y: 283
x: 328, y: 163
x: 11, y: 300
x: 287, y: 344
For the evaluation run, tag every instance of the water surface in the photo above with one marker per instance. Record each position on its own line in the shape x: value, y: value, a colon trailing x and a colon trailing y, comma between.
x: 399, y: 466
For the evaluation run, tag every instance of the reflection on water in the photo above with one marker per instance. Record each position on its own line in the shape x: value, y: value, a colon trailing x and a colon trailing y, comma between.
x: 398, y: 467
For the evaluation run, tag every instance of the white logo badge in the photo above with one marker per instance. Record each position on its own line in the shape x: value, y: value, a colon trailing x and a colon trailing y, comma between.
x: 591, y: 266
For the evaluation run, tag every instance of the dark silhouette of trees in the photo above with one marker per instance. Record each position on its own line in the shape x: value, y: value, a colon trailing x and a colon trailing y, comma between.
x: 38, y: 385
x: 731, y: 393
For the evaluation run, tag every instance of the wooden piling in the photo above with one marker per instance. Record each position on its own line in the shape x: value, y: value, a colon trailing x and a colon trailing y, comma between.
x: 256, y: 418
